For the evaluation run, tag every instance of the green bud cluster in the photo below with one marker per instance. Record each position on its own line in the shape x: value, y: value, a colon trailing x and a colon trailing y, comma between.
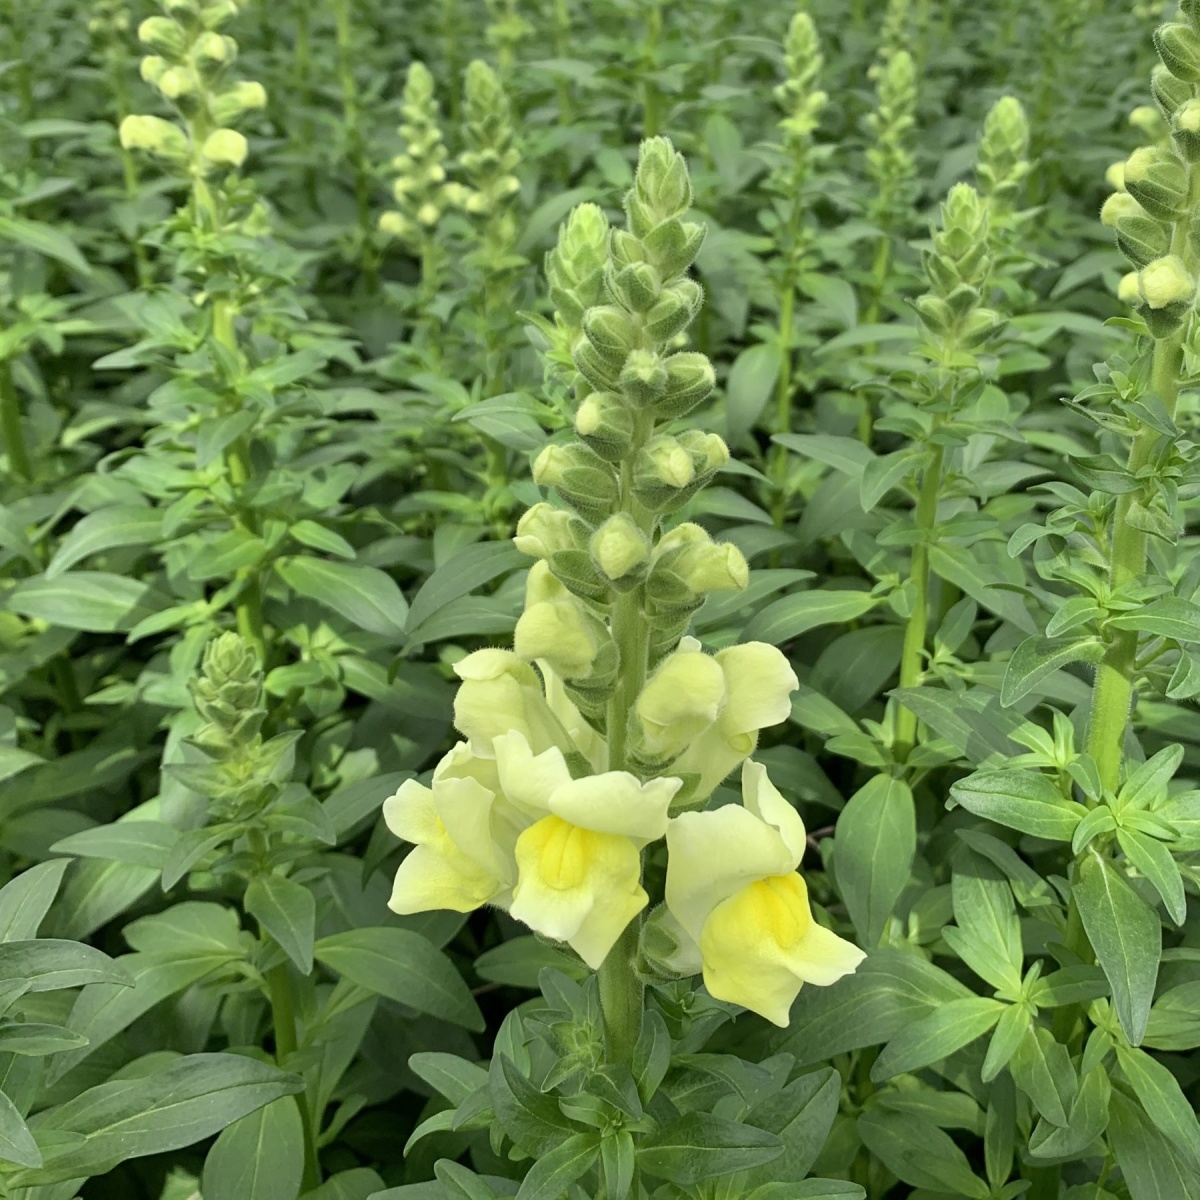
x: 1003, y: 158
x: 492, y: 153
x: 1154, y: 212
x: 624, y: 300
x: 799, y: 95
x: 506, y: 30
x: 189, y: 65
x: 110, y: 20
x: 420, y: 184
x: 894, y: 36
x: 957, y: 268
x: 228, y: 695
x: 889, y: 159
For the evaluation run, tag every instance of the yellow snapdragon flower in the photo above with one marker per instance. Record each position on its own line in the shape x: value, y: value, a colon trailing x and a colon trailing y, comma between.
x: 708, y: 710
x: 738, y: 907
x: 579, y: 861
x: 463, y: 831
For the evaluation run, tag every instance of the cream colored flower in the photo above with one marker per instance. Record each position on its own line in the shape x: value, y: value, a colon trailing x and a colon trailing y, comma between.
x: 708, y: 710
x: 740, y: 907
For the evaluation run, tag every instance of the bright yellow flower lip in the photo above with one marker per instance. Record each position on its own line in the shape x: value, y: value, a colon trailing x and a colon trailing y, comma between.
x: 577, y: 885
x: 740, y: 911
x: 761, y: 945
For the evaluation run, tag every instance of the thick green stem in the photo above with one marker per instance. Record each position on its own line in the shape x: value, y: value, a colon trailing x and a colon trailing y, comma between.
x: 783, y: 399
x: 911, y: 657
x: 622, y: 996
x: 1113, y: 689
x: 19, y: 461
x: 283, y: 1022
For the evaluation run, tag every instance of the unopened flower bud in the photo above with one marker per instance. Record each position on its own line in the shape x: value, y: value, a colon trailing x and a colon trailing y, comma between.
x: 1166, y: 281
x: 395, y: 225
x: 550, y: 465
x: 713, y: 567
x: 1185, y: 130
x: 428, y: 214
x: 669, y: 462
x: 1169, y: 92
x: 610, y: 332
x: 543, y: 530
x: 690, y: 380
x: 175, y: 82
x: 163, y: 34
x: 225, y: 147
x: 708, y: 450
x: 1156, y: 179
x: 643, y: 378
x: 604, y: 422
x: 1114, y: 176
x: 1128, y: 291
x: 1148, y: 119
x: 154, y: 135
x: 152, y: 67
x: 1118, y: 205
x: 1178, y: 46
x: 215, y: 47
x: 619, y: 547
x: 560, y: 633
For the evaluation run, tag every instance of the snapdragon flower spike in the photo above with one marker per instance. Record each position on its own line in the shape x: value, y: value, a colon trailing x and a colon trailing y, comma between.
x: 738, y: 908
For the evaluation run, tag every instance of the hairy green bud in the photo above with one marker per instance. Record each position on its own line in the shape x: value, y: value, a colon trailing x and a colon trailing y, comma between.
x: 1178, y: 46
x: 1169, y: 92
x: 1157, y: 180
x: 606, y: 425
x: 619, y: 548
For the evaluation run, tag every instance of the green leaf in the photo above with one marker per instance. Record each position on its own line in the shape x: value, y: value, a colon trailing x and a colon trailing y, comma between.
x: 404, y: 967
x: 259, y: 1157
x: 972, y: 722
x: 919, y: 1153
x: 1021, y: 800
x: 49, y: 964
x: 25, y: 900
x: 288, y: 912
x: 1175, y: 1019
x: 519, y: 961
x: 979, y: 579
x: 16, y: 1142
x: 1164, y: 1102
x: 889, y: 991
x: 317, y: 537
x: 531, y: 1118
x: 470, y: 568
x: 1011, y: 1030
x: 701, y: 1146
x: 554, y: 1172
x: 144, y: 843
x: 1087, y: 1122
x: 885, y: 472
x: 1037, y: 657
x: 92, y: 601
x: 750, y: 384
x: 453, y: 1077
x: 1126, y: 935
x: 790, y: 616
x: 37, y: 1039
x: 106, y: 529
x: 801, y: 1114
x: 988, y: 938
x: 191, y: 1098
x: 1149, y: 1165
x: 102, y: 1010
x: 1156, y: 864
x: 874, y: 845
x: 1041, y: 1068
x: 364, y: 596
x: 1170, y: 617
x: 937, y: 1036
x: 809, y: 1189
x: 845, y: 454
x: 45, y: 240
x: 359, y: 1183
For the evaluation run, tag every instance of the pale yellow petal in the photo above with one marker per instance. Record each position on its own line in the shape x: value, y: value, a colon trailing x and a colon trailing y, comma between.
x: 822, y: 957
x: 428, y: 880
x: 605, y: 923
x: 461, y: 762
x: 762, y: 798
x: 465, y: 809
x: 713, y: 855
x: 617, y: 803
x: 681, y: 699
x: 713, y: 755
x: 586, y: 740
x: 411, y: 814
x: 759, y: 681
x: 528, y: 780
